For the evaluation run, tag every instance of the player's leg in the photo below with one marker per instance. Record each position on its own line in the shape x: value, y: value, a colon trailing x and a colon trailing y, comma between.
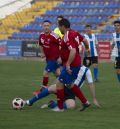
x: 45, y: 92
x: 117, y: 67
x: 68, y: 104
x: 48, y: 69
x: 95, y: 67
x: 51, y: 66
x: 45, y: 78
x: 92, y: 87
x: 87, y: 61
x: 63, y: 79
x: 60, y: 96
x: 81, y: 76
x: 44, y: 82
x: 76, y: 90
x: 57, y: 72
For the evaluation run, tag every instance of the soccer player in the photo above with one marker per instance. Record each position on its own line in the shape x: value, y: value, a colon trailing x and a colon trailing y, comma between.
x: 56, y: 30
x: 116, y: 47
x: 69, y: 54
x: 93, y: 58
x: 69, y: 100
x: 49, y: 48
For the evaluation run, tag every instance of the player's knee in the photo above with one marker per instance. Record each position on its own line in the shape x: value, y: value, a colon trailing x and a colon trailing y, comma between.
x: 52, y: 88
x: 57, y: 74
x: 45, y: 74
x: 70, y: 103
x: 118, y: 71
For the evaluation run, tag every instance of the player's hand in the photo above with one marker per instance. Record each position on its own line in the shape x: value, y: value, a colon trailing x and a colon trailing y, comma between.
x: 68, y: 69
x: 95, y: 102
x: 59, y: 60
x: 42, y: 55
x: 87, y: 52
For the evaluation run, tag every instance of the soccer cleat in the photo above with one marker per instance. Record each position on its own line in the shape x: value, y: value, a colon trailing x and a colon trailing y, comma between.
x: 26, y: 102
x: 50, y: 104
x: 36, y: 92
x: 84, y: 106
x: 56, y: 109
x: 44, y: 106
x: 96, y: 80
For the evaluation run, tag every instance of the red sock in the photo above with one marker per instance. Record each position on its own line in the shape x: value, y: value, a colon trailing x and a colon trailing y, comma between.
x: 60, y: 98
x: 45, y: 81
x: 76, y: 90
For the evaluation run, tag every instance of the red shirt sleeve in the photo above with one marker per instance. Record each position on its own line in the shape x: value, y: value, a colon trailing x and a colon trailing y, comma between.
x: 80, y: 37
x: 70, y: 40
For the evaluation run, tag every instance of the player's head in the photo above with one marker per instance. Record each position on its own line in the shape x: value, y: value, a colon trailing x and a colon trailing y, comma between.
x: 63, y: 25
x: 88, y: 28
x: 60, y: 17
x: 117, y: 26
x: 47, y: 26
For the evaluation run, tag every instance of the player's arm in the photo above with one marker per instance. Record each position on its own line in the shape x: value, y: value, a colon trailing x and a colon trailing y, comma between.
x: 71, y: 46
x: 42, y: 55
x: 70, y: 58
x: 86, y: 44
x: 71, y: 55
x: 84, y: 40
x: 112, y: 46
x: 96, y: 42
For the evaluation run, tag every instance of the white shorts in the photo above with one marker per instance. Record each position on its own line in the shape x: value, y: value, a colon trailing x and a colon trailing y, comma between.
x: 84, y: 73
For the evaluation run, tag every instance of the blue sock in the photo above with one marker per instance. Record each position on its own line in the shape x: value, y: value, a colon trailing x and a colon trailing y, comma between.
x: 53, y: 104
x: 118, y: 76
x: 42, y: 94
x: 95, y: 71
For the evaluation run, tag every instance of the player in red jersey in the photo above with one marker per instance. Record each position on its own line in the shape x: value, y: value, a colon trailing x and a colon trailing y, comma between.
x: 70, y: 58
x: 49, y: 48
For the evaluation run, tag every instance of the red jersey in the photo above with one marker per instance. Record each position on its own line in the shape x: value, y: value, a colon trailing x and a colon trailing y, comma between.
x: 50, y: 44
x: 71, y: 39
x: 80, y: 38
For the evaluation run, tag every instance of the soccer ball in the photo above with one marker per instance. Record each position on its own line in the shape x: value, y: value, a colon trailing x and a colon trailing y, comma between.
x: 17, y: 103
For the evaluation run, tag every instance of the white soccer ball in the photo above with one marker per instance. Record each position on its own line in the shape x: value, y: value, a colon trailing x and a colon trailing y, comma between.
x: 18, y: 103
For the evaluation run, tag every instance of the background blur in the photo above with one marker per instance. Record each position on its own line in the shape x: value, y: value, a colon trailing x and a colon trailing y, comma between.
x: 20, y: 23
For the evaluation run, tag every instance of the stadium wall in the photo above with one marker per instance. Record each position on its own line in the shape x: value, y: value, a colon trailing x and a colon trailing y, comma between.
x: 18, y: 48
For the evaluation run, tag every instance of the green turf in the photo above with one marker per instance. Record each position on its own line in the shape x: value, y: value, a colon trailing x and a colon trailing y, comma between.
x: 20, y: 78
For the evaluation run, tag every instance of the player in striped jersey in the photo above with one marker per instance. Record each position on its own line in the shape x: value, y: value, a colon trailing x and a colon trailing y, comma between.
x: 93, y: 57
x: 116, y: 47
x: 69, y: 100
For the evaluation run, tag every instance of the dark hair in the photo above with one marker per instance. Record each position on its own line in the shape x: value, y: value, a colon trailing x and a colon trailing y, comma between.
x: 64, y: 22
x: 60, y: 16
x: 47, y: 21
x: 88, y: 25
x: 116, y: 22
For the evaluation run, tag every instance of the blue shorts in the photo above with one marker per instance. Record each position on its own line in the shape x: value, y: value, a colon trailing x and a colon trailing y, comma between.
x: 67, y: 78
x: 51, y: 66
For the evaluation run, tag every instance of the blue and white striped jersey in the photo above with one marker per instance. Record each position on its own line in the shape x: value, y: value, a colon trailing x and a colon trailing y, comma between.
x: 92, y: 44
x: 116, y: 42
